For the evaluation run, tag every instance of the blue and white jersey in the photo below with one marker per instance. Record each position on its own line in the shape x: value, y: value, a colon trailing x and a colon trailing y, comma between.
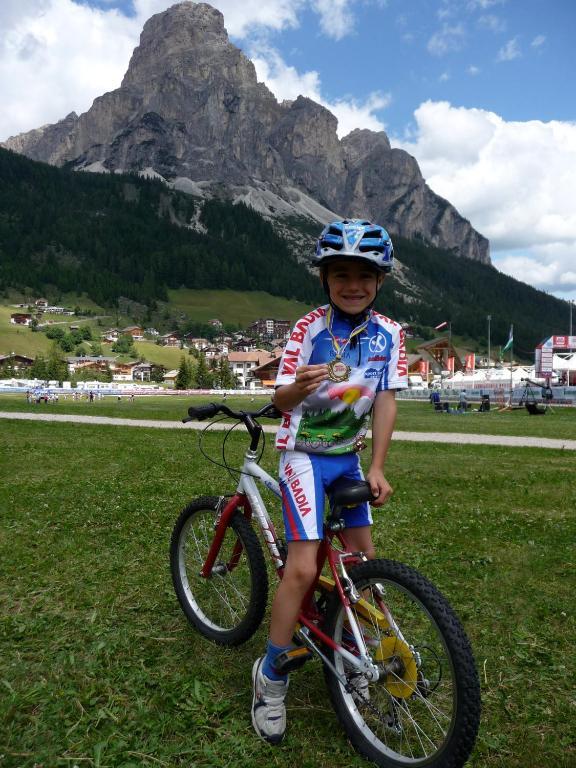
x: 335, y: 417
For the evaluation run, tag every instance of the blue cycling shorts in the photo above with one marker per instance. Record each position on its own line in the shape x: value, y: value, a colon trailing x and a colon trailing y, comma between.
x: 305, y: 479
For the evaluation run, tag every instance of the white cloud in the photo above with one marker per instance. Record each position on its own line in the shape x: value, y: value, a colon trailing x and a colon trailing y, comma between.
x: 444, y: 77
x: 57, y: 56
x: 510, y: 51
x: 472, y: 70
x: 516, y: 182
x: 336, y: 18
x: 492, y: 23
x: 450, y: 38
x: 484, y: 4
x: 538, y: 41
x: 286, y: 83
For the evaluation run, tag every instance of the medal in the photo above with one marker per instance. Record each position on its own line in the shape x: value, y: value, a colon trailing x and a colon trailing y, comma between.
x: 338, y: 371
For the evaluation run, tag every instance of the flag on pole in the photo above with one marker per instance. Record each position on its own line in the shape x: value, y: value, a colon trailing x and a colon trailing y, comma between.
x: 510, y: 339
x: 442, y: 325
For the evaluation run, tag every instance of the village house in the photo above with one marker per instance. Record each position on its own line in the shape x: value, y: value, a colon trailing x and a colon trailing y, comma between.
x: 58, y: 311
x: 20, y: 318
x: 136, y: 331
x: 196, y: 342
x: 41, y: 303
x: 90, y: 363
x: 243, y: 364
x: 243, y: 344
x: 142, y: 371
x: 212, y: 353
x: 267, y: 372
x: 268, y: 328
x: 111, y: 335
x: 130, y: 371
x: 169, y: 340
x: 17, y: 363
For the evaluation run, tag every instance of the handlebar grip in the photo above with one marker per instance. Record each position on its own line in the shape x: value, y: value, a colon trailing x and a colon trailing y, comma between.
x: 201, y: 412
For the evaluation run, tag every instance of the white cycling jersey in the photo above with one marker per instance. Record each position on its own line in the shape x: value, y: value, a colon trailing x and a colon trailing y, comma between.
x: 335, y: 418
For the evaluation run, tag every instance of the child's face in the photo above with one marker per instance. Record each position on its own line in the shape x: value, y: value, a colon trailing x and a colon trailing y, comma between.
x: 353, y: 285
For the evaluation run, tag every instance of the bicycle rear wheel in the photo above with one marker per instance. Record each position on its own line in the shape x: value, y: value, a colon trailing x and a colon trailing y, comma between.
x: 228, y: 606
x: 424, y: 710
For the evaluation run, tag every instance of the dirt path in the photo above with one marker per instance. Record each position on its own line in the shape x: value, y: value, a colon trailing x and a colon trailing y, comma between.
x: 420, y: 437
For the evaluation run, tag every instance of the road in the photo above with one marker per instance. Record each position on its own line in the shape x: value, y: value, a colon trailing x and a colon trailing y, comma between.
x: 419, y: 437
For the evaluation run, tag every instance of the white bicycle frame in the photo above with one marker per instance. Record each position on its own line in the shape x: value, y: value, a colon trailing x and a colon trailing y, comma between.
x: 247, y: 486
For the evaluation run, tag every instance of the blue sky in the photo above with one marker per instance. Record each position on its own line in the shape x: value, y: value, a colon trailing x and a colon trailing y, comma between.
x: 479, y: 91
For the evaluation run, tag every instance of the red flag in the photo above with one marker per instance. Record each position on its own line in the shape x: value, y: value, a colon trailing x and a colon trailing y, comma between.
x: 450, y: 365
x: 437, y: 327
x: 470, y: 362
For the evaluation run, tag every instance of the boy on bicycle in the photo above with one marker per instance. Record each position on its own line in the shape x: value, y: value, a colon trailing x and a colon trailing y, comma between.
x: 341, y: 365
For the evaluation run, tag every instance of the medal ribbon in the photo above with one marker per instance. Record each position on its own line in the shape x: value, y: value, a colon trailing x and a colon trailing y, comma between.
x: 338, y: 348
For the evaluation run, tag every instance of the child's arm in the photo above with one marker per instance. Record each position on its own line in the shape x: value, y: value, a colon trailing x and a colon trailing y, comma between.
x: 308, y: 379
x: 383, y: 419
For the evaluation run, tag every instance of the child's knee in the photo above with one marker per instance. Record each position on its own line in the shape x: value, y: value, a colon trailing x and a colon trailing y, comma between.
x: 300, y: 573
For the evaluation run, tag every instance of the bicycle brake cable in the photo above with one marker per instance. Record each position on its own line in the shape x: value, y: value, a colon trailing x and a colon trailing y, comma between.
x: 232, y: 471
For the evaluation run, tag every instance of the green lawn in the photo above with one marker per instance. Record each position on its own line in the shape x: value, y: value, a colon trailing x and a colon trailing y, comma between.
x: 412, y: 415
x: 98, y: 666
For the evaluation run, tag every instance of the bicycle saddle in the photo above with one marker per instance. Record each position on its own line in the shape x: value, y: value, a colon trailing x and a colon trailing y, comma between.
x: 353, y: 494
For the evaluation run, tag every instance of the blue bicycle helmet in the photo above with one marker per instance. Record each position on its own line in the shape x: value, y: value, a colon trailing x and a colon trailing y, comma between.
x: 355, y: 239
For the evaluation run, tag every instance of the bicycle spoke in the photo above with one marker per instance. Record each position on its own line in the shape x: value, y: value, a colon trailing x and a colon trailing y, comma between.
x: 222, y: 599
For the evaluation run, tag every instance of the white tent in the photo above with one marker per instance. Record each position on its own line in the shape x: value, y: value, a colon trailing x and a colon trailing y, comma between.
x: 487, y: 377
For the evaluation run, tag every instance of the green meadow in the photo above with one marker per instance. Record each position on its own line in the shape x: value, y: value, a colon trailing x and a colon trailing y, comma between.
x: 98, y: 666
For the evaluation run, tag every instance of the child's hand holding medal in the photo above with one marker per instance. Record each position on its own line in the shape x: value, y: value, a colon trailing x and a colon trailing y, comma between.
x: 309, y: 377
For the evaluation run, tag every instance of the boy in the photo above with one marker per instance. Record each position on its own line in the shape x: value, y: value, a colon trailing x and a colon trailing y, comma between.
x: 343, y: 362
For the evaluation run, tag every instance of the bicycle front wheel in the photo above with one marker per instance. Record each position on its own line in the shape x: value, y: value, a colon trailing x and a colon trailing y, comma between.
x: 424, y: 710
x: 227, y: 606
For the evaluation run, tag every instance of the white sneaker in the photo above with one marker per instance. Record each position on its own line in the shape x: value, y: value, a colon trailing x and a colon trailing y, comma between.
x: 268, y: 710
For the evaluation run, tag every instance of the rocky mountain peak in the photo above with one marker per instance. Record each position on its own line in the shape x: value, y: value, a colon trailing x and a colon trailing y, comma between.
x: 190, y: 108
x: 360, y: 143
x: 175, y: 40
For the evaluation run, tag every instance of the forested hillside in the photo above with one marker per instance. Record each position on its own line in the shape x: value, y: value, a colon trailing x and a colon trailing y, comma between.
x: 114, y: 236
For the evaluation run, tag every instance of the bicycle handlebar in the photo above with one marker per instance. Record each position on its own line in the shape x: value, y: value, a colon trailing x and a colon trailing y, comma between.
x: 248, y: 418
x: 202, y: 412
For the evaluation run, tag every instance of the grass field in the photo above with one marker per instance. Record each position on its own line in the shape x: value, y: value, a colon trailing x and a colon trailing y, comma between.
x: 98, y: 666
x: 412, y: 416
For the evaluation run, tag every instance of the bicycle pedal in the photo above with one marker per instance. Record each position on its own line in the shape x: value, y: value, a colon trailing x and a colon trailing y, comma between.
x: 288, y: 661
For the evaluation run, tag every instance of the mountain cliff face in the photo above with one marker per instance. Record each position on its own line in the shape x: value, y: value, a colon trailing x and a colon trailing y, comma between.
x: 191, y: 109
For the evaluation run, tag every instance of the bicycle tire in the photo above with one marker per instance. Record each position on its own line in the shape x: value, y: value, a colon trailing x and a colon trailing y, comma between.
x: 426, y: 715
x: 228, y: 607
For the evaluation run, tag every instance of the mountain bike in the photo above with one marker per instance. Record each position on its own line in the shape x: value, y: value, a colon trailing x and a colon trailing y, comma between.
x: 397, y: 663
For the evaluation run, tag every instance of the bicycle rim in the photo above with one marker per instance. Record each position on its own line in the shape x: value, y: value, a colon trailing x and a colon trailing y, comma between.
x: 227, y: 606
x: 424, y: 711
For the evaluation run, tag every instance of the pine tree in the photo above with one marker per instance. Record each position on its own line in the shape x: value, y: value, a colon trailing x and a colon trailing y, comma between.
x: 226, y: 377
x: 184, y: 376
x: 204, y: 379
x: 38, y: 368
x: 56, y: 366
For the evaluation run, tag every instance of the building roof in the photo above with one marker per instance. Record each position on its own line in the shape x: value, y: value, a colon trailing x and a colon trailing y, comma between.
x: 14, y: 355
x: 258, y: 356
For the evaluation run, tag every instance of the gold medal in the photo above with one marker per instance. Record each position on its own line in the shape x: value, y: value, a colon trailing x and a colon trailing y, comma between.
x: 338, y: 371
